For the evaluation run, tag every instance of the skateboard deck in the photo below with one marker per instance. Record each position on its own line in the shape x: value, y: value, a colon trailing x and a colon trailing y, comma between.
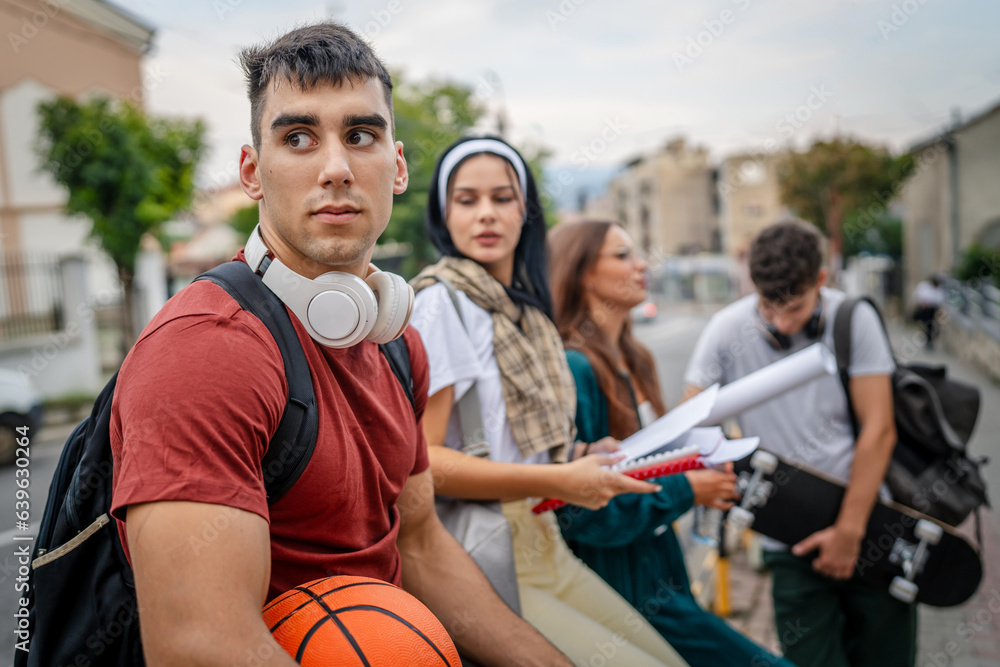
x: 908, y: 553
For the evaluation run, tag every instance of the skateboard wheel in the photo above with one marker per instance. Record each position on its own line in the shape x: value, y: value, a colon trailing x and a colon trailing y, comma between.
x: 903, y: 590
x: 928, y: 531
x: 740, y: 517
x: 765, y: 461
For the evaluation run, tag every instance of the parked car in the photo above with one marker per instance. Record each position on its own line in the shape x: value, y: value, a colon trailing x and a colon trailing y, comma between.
x: 20, y: 406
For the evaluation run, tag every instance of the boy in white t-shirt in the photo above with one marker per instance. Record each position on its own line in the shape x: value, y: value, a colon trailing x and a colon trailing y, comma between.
x: 823, y: 617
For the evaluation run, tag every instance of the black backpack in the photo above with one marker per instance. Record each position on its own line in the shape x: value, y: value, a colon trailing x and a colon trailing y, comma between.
x: 930, y: 469
x: 81, y: 598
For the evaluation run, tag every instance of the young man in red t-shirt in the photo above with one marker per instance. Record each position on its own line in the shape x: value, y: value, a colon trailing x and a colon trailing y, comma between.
x: 203, y: 390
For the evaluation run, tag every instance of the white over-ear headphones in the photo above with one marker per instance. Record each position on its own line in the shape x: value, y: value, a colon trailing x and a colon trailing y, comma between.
x: 338, y: 309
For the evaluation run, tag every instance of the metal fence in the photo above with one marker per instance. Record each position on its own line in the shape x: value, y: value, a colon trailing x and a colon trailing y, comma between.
x: 979, y: 302
x: 31, y: 295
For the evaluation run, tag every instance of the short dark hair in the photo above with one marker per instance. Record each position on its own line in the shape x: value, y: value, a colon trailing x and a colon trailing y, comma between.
x: 327, y: 52
x: 785, y: 260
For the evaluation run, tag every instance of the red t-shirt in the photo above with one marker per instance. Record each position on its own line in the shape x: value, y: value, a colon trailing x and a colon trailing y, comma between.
x: 197, y: 401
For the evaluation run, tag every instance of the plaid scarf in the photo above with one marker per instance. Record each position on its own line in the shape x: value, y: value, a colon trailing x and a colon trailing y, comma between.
x: 538, y: 387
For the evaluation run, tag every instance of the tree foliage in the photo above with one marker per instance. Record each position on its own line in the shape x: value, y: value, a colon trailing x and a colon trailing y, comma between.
x: 882, y: 236
x: 245, y: 219
x: 430, y: 116
x: 125, y: 171
x: 980, y: 262
x: 840, y: 181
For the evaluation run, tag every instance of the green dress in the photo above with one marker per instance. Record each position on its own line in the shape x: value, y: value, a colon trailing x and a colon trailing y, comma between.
x: 632, y: 546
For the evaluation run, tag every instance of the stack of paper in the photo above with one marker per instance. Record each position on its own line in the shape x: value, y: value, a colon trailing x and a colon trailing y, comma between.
x: 680, y: 426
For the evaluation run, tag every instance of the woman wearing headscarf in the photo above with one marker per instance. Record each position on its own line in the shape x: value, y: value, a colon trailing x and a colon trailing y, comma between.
x: 485, y: 217
x: 597, y: 278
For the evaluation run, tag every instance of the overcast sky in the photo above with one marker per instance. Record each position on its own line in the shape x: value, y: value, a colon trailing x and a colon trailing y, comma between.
x: 620, y: 77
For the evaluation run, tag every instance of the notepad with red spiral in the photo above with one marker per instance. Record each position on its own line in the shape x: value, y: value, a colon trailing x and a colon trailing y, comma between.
x: 648, y: 467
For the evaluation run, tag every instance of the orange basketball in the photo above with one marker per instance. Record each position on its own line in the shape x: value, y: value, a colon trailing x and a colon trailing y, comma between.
x: 346, y: 621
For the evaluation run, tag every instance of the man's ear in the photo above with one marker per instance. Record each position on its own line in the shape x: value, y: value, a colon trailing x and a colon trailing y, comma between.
x: 402, y: 178
x: 822, y: 276
x: 249, y: 175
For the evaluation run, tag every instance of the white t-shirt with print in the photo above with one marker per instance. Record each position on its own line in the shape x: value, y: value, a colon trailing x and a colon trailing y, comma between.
x: 460, y: 356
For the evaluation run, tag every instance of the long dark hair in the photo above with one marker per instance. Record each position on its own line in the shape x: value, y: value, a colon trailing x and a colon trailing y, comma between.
x: 574, y: 249
x: 529, y: 285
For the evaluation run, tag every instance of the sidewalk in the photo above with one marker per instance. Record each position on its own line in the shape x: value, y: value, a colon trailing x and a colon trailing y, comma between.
x: 963, y: 636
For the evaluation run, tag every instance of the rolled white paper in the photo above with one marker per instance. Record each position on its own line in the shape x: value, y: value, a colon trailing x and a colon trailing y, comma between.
x: 770, y: 382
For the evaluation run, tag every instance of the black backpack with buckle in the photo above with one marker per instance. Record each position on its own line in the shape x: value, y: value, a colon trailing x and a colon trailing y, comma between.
x: 930, y: 469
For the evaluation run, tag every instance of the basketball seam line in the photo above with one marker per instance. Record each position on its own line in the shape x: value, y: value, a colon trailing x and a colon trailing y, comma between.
x: 332, y: 616
x: 308, y: 591
x: 402, y: 620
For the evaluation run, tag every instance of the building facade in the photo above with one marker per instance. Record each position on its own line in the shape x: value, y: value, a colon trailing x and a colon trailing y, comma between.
x: 749, y: 198
x: 73, y: 48
x: 952, y: 199
x: 668, y: 202
x: 62, y: 47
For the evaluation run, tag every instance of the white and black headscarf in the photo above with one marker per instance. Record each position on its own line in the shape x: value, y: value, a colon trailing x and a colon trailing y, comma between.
x: 530, y: 282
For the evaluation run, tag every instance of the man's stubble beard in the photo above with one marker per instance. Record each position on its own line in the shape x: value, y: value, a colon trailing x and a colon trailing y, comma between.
x: 338, y: 252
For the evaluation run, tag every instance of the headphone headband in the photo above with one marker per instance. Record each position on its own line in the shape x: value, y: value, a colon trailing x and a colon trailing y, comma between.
x: 813, y: 328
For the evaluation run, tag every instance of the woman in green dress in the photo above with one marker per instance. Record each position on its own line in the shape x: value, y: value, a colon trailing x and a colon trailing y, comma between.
x: 596, y: 279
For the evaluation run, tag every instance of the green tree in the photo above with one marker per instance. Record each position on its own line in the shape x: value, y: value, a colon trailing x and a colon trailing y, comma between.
x: 842, y: 181
x: 980, y: 263
x: 245, y: 219
x: 883, y: 236
x: 430, y: 116
x: 125, y: 171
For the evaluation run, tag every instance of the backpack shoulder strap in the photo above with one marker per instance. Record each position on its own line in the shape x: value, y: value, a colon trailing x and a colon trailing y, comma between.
x: 842, y: 350
x: 842, y: 345
x: 842, y: 335
x: 397, y: 354
x: 293, y: 442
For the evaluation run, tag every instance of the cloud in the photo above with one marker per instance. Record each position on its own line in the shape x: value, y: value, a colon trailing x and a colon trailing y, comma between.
x: 568, y: 66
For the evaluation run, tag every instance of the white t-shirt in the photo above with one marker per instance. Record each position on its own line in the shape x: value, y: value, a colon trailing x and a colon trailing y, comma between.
x: 926, y: 295
x: 810, y: 424
x: 462, y: 355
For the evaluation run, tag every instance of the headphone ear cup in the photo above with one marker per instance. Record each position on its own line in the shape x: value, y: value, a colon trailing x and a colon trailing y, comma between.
x: 395, y: 304
x: 776, y: 339
x: 817, y: 323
